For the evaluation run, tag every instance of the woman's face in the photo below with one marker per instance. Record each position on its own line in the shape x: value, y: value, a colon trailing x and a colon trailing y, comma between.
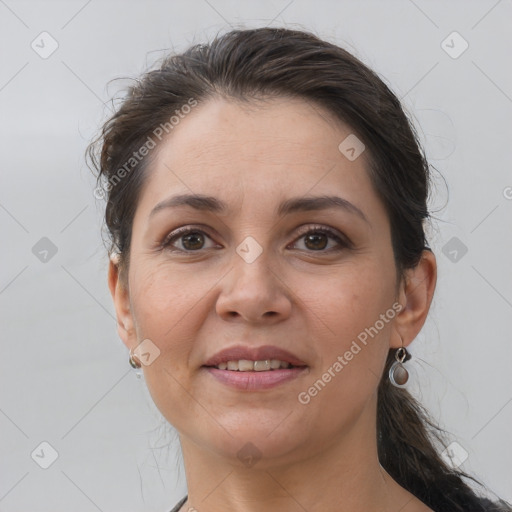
x: 249, y: 275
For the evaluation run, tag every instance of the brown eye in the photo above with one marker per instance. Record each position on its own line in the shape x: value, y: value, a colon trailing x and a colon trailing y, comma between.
x: 193, y: 241
x: 316, y: 241
x: 186, y: 240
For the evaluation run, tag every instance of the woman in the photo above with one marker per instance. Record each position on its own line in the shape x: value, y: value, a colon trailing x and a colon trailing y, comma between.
x: 266, y: 200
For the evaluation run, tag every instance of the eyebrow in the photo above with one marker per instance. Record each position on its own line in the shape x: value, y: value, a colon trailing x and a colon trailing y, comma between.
x: 295, y: 204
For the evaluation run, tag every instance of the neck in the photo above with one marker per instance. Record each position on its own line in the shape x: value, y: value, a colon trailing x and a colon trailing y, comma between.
x: 345, y: 475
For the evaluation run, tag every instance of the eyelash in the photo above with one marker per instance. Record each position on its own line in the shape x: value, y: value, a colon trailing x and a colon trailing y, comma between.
x: 177, y: 234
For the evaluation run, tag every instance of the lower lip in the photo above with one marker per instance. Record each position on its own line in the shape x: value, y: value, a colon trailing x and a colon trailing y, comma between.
x: 252, y: 381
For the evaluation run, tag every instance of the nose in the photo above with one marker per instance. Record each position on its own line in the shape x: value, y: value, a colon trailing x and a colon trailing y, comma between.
x: 254, y: 293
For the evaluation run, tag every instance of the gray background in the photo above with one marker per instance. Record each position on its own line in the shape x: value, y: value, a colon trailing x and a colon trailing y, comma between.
x: 65, y: 377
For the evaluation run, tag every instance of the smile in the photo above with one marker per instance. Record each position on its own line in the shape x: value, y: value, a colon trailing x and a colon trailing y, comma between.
x: 246, y: 365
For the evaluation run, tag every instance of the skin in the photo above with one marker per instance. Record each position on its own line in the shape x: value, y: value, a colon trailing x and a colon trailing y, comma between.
x: 312, y: 302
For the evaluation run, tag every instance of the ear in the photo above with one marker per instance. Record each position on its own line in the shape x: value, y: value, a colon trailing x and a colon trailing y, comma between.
x: 121, y: 298
x: 416, y: 293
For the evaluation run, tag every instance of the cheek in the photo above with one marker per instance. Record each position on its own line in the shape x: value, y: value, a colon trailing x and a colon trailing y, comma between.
x: 351, y: 315
x: 347, y: 300
x: 168, y: 307
x: 167, y: 301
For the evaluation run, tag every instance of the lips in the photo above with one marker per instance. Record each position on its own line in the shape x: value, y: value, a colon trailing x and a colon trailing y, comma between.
x: 239, y: 352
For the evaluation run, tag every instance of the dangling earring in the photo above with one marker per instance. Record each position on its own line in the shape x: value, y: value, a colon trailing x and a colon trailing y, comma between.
x: 398, y: 374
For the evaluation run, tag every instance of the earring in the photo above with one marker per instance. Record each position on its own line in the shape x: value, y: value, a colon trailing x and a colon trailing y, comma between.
x: 398, y: 374
x: 133, y: 363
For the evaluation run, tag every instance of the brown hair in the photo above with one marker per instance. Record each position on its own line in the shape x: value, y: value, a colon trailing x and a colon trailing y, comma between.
x: 248, y: 64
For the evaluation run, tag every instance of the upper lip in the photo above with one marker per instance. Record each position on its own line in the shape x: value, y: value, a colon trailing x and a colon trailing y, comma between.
x: 262, y: 353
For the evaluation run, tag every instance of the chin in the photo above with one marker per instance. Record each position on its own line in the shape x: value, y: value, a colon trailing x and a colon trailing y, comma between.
x: 269, y: 440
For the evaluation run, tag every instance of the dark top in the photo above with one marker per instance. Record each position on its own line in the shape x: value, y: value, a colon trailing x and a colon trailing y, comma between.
x: 178, y: 505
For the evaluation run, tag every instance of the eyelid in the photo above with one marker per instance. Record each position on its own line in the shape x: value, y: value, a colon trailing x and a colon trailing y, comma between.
x: 183, y: 230
x: 340, y: 238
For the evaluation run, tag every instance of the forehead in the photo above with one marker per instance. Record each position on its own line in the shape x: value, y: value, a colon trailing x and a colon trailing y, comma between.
x: 257, y: 152
x: 277, y: 131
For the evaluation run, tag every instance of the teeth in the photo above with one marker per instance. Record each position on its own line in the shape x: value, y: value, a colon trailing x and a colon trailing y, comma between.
x: 232, y: 365
x: 246, y: 365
